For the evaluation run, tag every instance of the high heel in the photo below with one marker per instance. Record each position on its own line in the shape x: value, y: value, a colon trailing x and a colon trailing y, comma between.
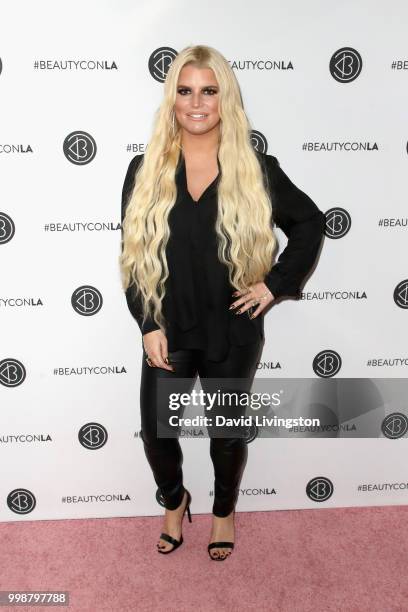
x: 170, y: 539
x: 221, y: 545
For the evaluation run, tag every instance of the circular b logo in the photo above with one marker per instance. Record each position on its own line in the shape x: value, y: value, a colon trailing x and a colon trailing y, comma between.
x: 12, y: 372
x: 160, y: 62
x: 327, y: 363
x: 338, y: 222
x: 93, y: 436
x: 345, y: 65
x: 319, y: 489
x: 86, y: 300
x: 79, y: 148
x: 394, y: 425
x: 401, y: 294
x: 21, y: 501
x: 258, y: 141
x: 7, y: 228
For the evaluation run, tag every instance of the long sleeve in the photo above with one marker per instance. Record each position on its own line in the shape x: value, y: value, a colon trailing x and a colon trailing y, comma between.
x: 133, y: 300
x: 302, y: 222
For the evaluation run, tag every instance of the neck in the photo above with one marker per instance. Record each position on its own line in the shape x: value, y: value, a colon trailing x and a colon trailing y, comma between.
x: 200, y: 146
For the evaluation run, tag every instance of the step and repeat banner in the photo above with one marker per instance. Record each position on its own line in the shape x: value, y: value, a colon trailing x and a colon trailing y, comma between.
x: 326, y: 95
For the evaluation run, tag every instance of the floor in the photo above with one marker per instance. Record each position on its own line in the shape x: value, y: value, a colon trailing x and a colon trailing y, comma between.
x: 341, y: 559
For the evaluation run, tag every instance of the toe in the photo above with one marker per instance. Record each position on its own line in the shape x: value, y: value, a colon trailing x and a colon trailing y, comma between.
x: 220, y: 553
x: 162, y: 545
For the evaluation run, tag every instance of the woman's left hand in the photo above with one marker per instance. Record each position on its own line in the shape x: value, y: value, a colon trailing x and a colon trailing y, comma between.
x: 258, y: 292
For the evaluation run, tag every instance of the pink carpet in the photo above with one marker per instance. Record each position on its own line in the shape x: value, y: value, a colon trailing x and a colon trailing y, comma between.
x: 348, y: 559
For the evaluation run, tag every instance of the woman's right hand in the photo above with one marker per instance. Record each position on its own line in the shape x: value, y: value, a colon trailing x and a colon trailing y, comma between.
x: 155, y: 345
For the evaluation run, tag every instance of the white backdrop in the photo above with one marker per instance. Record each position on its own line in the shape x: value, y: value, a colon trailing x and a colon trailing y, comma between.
x: 322, y: 95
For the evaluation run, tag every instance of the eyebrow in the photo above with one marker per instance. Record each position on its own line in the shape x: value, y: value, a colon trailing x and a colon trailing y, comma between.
x: 204, y: 86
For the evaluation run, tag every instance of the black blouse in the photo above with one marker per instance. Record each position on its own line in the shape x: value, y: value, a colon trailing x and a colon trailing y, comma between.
x: 198, y: 291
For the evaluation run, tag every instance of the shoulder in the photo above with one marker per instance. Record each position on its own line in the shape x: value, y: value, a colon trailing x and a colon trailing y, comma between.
x: 270, y: 168
x: 136, y: 160
x: 267, y: 160
x: 129, y: 181
x: 131, y: 170
x: 266, y: 156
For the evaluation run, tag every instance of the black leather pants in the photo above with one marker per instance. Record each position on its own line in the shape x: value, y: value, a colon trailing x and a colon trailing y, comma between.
x: 228, y: 454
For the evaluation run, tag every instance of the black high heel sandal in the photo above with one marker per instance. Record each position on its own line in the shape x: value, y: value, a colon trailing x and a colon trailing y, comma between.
x: 220, y: 545
x: 168, y: 538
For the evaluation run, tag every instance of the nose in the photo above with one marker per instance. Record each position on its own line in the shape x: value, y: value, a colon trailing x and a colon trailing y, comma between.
x: 196, y: 99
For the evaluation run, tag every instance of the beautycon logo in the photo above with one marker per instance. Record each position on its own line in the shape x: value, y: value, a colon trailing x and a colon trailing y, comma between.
x: 12, y: 372
x: 7, y: 228
x: 319, y: 489
x: 21, y: 501
x: 394, y: 425
x: 86, y: 300
x: 79, y: 148
x: 93, y: 436
x: 338, y: 222
x: 258, y: 141
x: 327, y: 363
x: 401, y: 294
x: 160, y: 61
x: 11, y: 148
x: 338, y: 294
x: 345, y: 64
x: 25, y: 438
x: 19, y: 302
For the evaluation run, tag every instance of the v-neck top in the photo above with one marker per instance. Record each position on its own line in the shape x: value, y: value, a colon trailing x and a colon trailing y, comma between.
x: 198, y: 291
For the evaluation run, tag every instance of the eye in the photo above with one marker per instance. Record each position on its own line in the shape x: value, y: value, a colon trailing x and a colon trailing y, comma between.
x: 183, y: 90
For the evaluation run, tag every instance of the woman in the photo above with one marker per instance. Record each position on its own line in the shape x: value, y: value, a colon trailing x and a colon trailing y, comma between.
x: 197, y: 210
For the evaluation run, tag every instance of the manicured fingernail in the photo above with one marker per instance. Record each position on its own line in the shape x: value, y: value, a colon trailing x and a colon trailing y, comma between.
x: 238, y: 311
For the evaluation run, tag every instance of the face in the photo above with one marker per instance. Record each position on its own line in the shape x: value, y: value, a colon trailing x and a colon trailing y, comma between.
x: 196, y: 105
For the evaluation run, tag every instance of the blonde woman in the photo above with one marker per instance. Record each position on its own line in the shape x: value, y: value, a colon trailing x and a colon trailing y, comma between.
x: 198, y: 210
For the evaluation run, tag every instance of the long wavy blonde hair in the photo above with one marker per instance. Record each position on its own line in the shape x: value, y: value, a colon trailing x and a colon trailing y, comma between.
x: 245, y: 237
